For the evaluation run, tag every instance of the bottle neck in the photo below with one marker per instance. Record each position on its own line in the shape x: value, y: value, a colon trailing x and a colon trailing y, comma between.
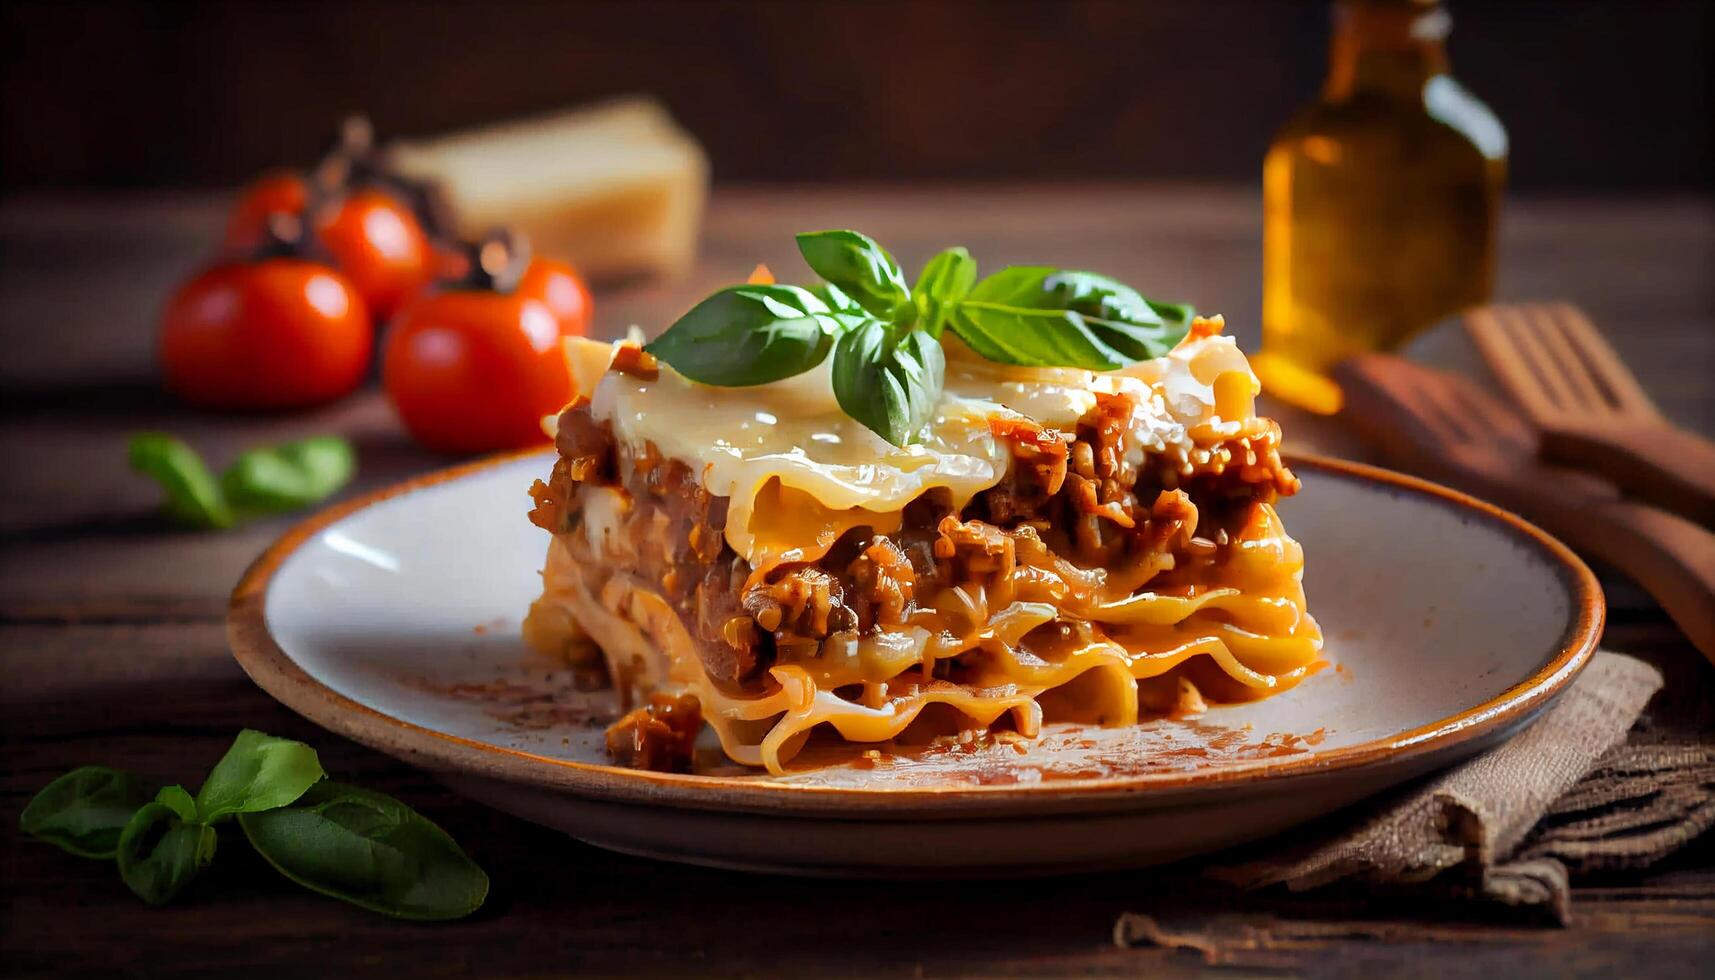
x: 1381, y: 46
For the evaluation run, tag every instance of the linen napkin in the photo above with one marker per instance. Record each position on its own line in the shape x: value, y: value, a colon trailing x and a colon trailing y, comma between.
x: 1566, y: 795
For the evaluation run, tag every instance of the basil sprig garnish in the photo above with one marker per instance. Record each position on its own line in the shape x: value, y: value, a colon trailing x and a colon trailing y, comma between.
x: 889, y: 386
x: 861, y: 269
x: 945, y: 280
x: 750, y: 335
x: 1040, y: 316
x: 360, y: 846
x: 888, y: 366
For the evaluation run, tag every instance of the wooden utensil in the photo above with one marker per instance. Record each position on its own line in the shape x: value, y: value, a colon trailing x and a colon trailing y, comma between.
x: 1591, y: 410
x: 1447, y: 427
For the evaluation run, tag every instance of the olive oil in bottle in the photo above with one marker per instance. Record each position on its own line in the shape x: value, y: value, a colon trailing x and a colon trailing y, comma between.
x: 1379, y: 201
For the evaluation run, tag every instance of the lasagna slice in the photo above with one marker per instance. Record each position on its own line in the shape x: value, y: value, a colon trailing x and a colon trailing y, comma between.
x: 1060, y: 545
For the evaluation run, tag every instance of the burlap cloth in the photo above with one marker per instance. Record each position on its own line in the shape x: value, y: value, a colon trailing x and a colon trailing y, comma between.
x: 1567, y: 796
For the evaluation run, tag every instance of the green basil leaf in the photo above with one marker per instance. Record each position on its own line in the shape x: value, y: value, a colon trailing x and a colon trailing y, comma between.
x: 1041, y: 316
x: 1034, y: 338
x: 193, y: 496
x: 160, y: 853
x: 289, y: 476
x: 861, y: 269
x: 947, y: 279
x: 179, y: 800
x: 749, y: 335
x: 1137, y: 327
x: 371, y: 850
x: 84, y: 811
x: 890, y: 387
x: 1174, y: 313
x: 259, y: 772
x: 836, y: 298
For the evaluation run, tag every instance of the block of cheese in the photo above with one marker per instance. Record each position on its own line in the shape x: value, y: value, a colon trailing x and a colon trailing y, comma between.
x: 616, y: 189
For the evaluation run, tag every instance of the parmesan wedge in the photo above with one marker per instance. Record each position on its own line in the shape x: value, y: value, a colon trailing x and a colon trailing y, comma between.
x: 617, y: 189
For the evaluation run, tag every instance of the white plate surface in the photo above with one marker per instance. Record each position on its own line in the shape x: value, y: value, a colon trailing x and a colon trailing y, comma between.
x: 1448, y: 626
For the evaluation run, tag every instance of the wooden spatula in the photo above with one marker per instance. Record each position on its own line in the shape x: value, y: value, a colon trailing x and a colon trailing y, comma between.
x: 1447, y: 428
x: 1591, y: 411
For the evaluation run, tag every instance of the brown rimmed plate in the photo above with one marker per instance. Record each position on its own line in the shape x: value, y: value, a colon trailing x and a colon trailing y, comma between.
x: 393, y: 619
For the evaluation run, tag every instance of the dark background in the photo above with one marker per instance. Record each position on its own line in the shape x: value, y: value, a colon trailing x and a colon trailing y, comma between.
x: 1597, y: 94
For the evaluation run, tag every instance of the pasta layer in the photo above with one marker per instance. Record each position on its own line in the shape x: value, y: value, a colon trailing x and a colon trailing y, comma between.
x: 1060, y: 545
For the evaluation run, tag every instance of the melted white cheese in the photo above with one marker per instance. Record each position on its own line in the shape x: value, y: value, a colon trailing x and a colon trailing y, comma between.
x: 793, y: 431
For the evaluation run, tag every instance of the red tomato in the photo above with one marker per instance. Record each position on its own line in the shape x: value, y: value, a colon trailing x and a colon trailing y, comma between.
x: 373, y: 238
x: 379, y: 244
x: 473, y: 370
x: 280, y: 190
x: 563, y: 290
x: 279, y: 333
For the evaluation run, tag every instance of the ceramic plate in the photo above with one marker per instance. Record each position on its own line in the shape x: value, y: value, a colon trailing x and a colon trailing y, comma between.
x: 394, y: 620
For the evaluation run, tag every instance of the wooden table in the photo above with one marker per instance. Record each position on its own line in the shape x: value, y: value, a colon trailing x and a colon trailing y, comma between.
x: 113, y: 649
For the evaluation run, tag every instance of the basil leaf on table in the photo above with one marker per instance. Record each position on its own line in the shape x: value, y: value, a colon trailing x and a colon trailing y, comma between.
x: 1045, y: 317
x: 84, y: 811
x: 368, y: 849
x: 289, y: 476
x: 162, y: 850
x: 193, y: 496
x: 259, y: 772
x: 179, y: 800
x: 861, y: 269
x: 363, y: 847
x: 891, y: 387
x: 749, y: 335
x: 946, y: 279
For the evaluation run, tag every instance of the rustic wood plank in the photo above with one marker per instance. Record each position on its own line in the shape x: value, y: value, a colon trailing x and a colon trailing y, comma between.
x: 86, y: 692
x: 1633, y: 262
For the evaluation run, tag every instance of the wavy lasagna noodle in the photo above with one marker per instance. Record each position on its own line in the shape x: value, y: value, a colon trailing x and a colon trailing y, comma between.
x: 1061, y: 545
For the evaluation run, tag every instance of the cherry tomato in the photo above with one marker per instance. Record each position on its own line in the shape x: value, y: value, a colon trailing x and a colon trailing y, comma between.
x: 279, y: 191
x: 556, y: 284
x: 272, y: 334
x: 372, y: 237
x: 379, y: 244
x: 474, y: 370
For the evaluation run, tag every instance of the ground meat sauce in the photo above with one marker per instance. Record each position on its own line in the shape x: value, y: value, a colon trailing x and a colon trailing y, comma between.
x: 1070, y: 510
x: 659, y: 736
x: 676, y: 530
